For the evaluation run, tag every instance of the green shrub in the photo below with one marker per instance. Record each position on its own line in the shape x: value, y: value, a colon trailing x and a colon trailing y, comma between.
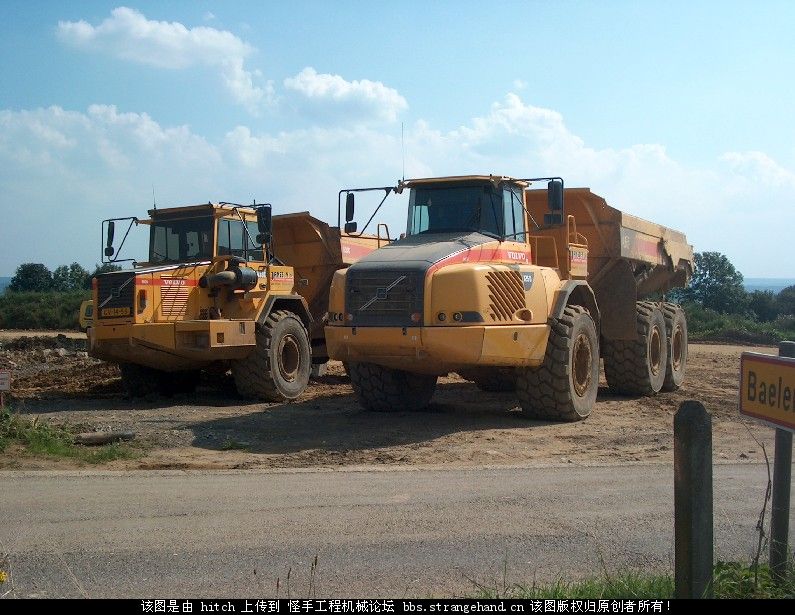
x: 41, y: 310
x: 708, y: 325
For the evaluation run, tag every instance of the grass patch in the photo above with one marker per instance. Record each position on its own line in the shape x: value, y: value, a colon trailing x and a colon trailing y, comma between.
x: 44, y: 439
x: 731, y: 580
x: 624, y: 585
x: 736, y: 580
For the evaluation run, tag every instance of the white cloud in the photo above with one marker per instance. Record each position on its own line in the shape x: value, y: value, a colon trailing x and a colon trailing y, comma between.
x: 129, y: 35
x: 361, y: 100
x: 81, y: 167
x: 758, y: 166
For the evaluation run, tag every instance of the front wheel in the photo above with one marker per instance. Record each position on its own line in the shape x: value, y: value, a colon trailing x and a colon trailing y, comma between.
x: 281, y: 363
x: 564, y: 387
x: 382, y: 389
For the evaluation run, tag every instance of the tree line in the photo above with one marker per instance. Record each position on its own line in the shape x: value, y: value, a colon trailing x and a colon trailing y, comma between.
x: 37, y: 278
x: 716, y: 285
x: 38, y: 298
x: 719, y: 308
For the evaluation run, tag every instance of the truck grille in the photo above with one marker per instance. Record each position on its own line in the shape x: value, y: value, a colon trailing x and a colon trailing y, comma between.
x: 174, y: 301
x: 506, y: 293
x: 115, y: 293
x: 384, y: 298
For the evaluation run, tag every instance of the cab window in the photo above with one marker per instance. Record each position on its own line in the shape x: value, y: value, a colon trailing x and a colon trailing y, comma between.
x: 180, y: 240
x: 233, y: 240
x: 514, y: 214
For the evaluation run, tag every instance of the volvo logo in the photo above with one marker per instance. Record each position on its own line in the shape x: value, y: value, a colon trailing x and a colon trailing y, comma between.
x: 382, y: 293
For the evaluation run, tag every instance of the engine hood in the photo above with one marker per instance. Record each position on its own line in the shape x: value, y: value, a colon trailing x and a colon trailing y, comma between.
x: 420, y: 252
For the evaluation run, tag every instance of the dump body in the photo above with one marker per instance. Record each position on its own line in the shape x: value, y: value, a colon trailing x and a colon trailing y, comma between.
x: 612, y: 235
x: 628, y: 259
x: 315, y: 250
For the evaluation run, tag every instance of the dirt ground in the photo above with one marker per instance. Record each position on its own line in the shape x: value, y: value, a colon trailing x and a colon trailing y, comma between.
x: 56, y: 381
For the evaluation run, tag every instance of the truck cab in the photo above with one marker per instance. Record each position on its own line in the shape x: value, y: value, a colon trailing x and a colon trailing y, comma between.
x: 205, y: 296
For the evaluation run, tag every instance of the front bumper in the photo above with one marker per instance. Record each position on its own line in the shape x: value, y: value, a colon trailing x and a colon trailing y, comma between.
x: 173, y: 346
x: 439, y: 350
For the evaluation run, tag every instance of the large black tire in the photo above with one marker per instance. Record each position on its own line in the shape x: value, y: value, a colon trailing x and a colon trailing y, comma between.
x: 491, y: 379
x: 279, y: 367
x: 382, y: 389
x: 564, y: 387
x: 637, y: 367
x: 676, y: 332
x: 140, y: 381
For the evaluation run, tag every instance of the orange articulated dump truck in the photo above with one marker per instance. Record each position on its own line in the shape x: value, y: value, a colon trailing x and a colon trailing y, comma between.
x: 514, y: 288
x: 224, y: 287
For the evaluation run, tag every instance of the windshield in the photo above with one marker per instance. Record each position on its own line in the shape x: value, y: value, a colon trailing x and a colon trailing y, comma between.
x: 185, y: 239
x: 483, y: 208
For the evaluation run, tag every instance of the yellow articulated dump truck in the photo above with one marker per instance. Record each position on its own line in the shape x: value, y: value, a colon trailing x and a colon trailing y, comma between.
x: 224, y: 287
x: 514, y: 288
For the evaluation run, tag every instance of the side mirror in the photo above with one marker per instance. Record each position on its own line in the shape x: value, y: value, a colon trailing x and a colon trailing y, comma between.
x: 349, y: 209
x: 264, y: 224
x: 555, y: 196
x: 109, y: 240
x: 350, y: 227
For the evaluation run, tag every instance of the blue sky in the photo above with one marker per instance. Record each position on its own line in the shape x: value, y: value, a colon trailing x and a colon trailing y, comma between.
x: 677, y: 113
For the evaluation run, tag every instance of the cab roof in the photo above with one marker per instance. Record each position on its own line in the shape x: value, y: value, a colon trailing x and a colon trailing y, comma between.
x: 463, y: 179
x: 219, y: 209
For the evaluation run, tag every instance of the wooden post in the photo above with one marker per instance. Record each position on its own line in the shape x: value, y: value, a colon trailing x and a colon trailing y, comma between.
x: 782, y: 480
x: 693, y: 557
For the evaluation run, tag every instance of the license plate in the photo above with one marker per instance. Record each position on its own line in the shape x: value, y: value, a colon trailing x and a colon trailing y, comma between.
x: 119, y: 311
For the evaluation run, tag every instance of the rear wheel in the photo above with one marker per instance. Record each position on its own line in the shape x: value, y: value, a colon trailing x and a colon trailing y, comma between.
x: 491, y: 379
x: 676, y: 330
x: 382, y: 389
x: 564, y: 387
x: 280, y: 365
x: 637, y: 367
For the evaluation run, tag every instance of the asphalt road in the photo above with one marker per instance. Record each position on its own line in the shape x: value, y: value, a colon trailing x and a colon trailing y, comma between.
x: 419, y: 532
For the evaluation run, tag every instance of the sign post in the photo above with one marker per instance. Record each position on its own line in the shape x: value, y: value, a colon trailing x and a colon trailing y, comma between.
x: 767, y: 393
x: 5, y: 385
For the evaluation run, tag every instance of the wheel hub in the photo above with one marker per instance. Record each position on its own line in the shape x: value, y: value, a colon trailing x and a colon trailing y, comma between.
x: 655, y: 350
x: 289, y: 356
x: 676, y: 348
x: 582, y: 362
